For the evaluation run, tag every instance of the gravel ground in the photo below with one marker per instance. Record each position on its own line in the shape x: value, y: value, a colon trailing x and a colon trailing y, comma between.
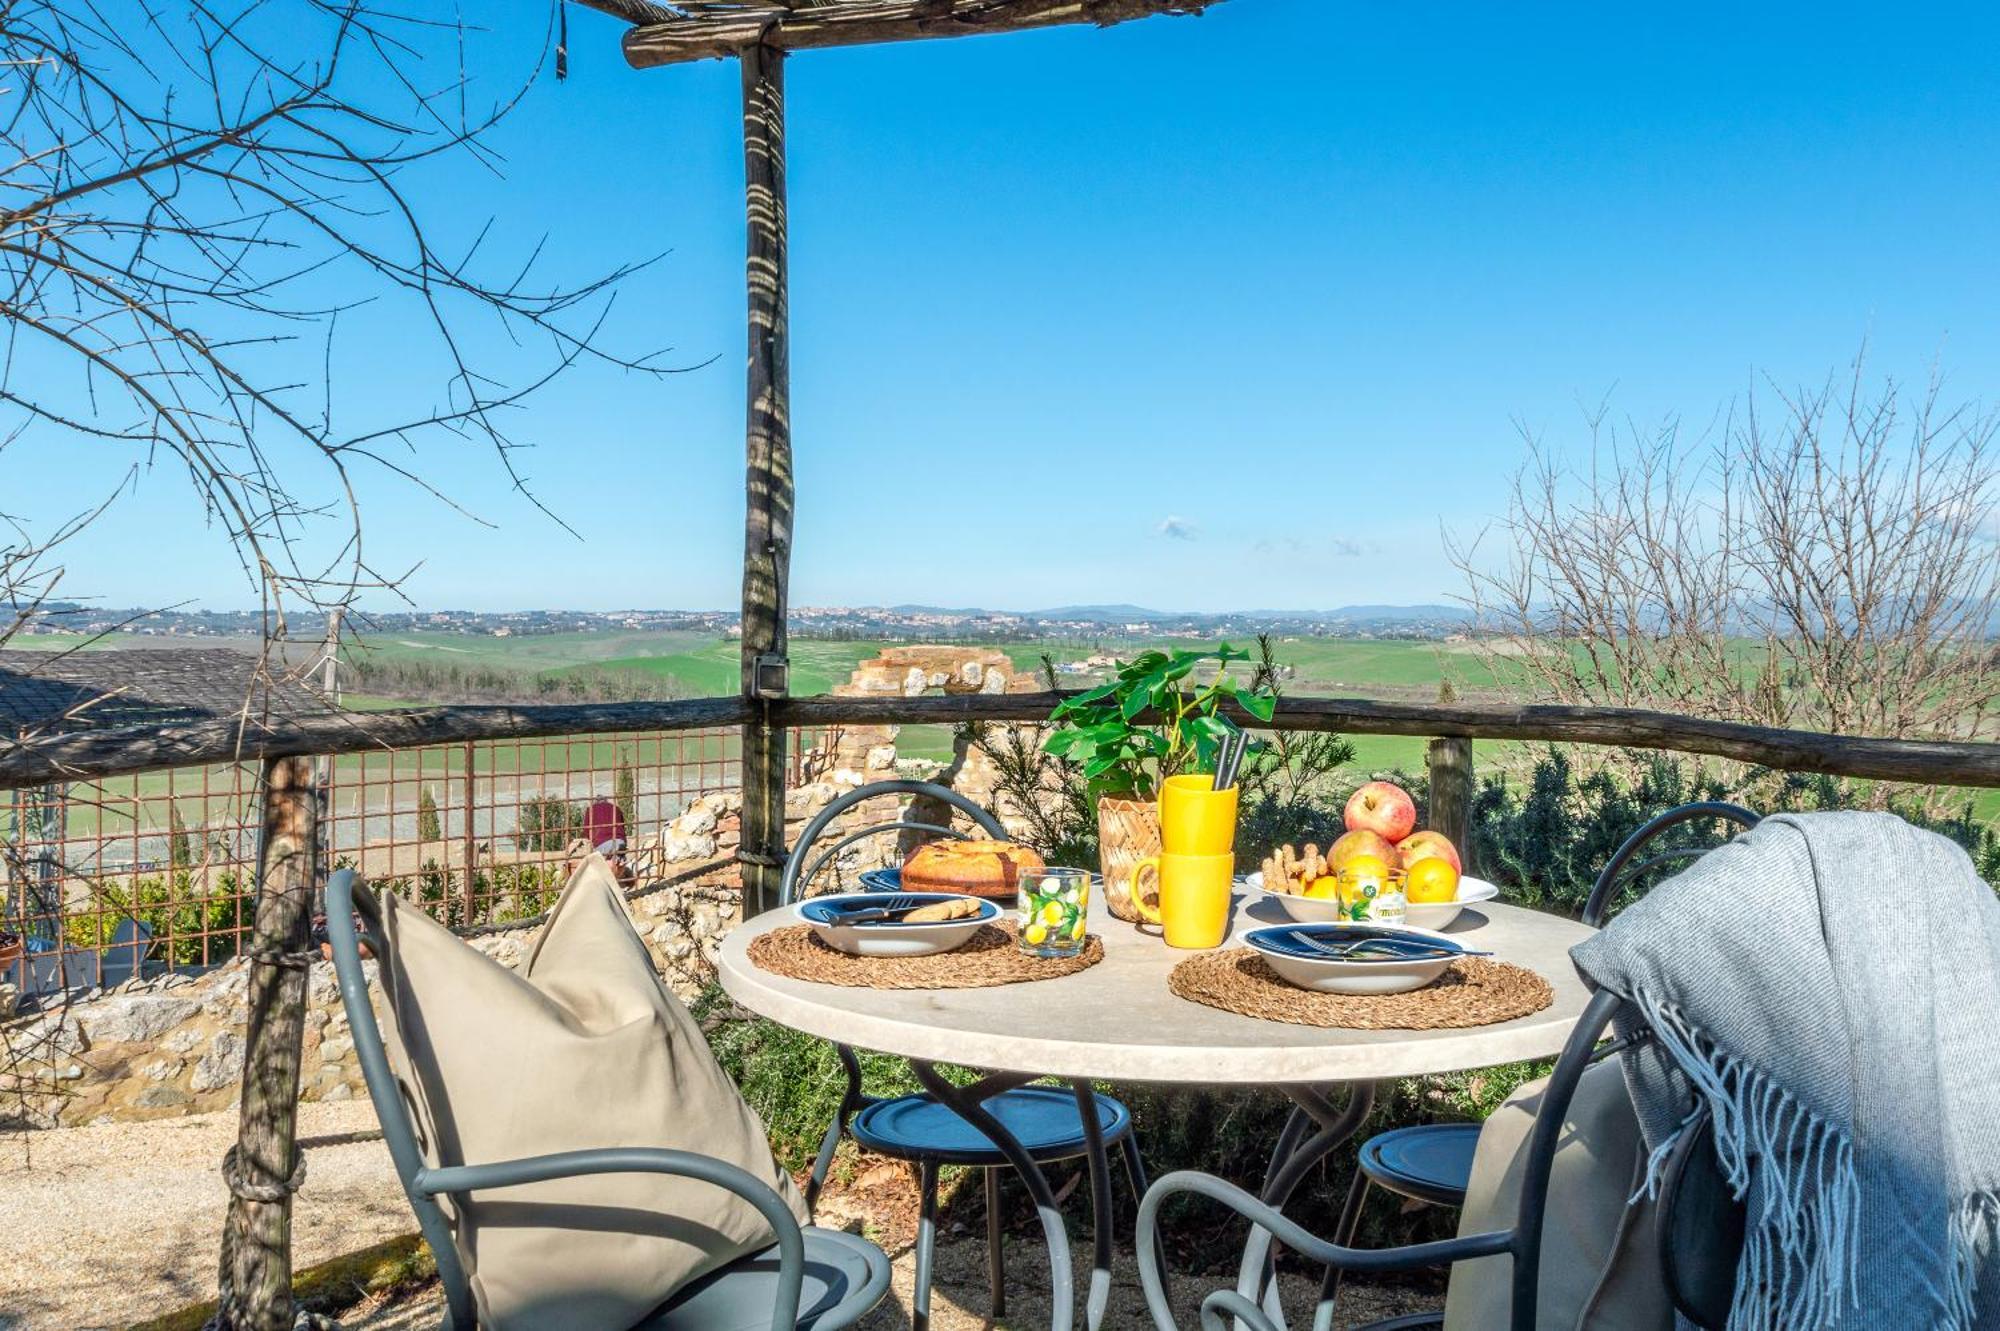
x: 106, y: 1225
x: 958, y: 1296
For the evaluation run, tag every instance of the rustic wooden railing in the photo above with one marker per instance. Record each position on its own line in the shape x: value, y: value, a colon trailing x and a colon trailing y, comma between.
x: 89, y: 755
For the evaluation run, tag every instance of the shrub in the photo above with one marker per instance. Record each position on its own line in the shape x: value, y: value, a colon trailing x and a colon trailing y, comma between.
x: 547, y: 823
x: 625, y: 793
x: 190, y: 924
x: 429, y: 826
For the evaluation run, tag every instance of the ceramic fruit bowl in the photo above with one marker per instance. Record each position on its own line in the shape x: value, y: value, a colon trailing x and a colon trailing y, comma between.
x: 835, y: 920
x: 1354, y: 958
x: 1438, y: 914
x: 1418, y: 914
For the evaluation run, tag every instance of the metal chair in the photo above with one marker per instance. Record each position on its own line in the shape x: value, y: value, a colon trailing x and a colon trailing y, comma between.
x: 1432, y: 1163
x: 1047, y: 1121
x: 811, y: 1279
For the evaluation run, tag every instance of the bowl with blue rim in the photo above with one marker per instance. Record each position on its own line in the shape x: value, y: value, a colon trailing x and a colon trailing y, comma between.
x: 877, y: 924
x: 1356, y: 958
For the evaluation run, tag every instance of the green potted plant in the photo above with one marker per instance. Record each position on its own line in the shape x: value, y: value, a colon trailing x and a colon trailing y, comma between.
x: 1148, y: 722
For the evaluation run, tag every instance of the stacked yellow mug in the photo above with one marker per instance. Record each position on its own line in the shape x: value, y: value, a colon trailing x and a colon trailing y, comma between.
x: 1196, y: 864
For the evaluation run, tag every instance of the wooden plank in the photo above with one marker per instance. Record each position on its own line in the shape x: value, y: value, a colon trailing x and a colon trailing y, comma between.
x: 1937, y: 762
x: 707, y: 33
x: 767, y: 526
x: 256, y: 1269
x: 113, y: 753
x: 87, y: 755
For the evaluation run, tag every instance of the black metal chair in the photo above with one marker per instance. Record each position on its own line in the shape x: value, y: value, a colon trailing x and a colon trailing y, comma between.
x: 1048, y: 1121
x: 810, y: 1279
x: 1432, y: 1163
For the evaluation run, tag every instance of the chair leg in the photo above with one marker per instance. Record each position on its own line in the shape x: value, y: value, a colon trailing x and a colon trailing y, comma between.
x: 1135, y: 1166
x: 1343, y: 1233
x: 822, y: 1163
x: 1135, y: 1173
x: 996, y: 1283
x: 920, y: 1296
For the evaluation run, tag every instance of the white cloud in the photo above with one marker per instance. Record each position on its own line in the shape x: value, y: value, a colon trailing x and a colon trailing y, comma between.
x: 1177, y: 528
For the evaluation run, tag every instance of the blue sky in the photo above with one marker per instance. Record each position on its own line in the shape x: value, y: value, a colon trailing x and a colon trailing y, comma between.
x: 1196, y: 313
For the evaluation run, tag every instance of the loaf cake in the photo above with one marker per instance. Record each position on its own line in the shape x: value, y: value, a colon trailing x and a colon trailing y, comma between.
x: 982, y: 868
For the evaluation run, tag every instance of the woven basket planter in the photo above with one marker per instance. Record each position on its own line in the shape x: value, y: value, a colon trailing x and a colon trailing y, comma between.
x: 1127, y: 831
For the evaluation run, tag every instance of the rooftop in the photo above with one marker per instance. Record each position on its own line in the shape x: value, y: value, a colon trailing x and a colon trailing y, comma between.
x: 47, y: 693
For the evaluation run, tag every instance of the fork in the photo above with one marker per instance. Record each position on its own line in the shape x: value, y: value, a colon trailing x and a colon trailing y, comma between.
x: 1407, y: 949
x: 895, y: 909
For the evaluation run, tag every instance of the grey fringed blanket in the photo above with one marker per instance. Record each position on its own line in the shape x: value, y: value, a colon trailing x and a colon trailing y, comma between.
x: 1829, y: 984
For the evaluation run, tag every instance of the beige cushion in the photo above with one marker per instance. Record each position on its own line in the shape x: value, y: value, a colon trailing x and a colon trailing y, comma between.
x: 1600, y: 1271
x: 581, y: 1047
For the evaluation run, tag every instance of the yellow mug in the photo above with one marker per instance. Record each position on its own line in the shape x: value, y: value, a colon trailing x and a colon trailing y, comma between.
x: 1194, y: 897
x: 1196, y: 818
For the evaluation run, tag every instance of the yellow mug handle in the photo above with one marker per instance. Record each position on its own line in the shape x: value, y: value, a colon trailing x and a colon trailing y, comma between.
x: 1147, y: 913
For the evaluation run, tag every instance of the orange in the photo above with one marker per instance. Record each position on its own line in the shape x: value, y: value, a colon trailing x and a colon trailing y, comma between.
x: 1431, y: 880
x: 1322, y: 889
x: 1365, y: 868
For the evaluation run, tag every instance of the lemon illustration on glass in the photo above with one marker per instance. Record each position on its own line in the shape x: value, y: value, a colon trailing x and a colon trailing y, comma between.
x: 1054, y: 903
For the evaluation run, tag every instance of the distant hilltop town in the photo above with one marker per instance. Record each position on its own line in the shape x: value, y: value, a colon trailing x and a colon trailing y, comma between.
x: 886, y: 623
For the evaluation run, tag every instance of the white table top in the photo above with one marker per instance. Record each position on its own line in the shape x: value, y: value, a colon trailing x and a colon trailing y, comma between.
x: 1117, y: 1021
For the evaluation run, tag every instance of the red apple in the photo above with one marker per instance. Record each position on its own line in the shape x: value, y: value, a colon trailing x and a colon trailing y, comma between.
x: 1361, y: 842
x: 1382, y: 807
x: 1429, y: 846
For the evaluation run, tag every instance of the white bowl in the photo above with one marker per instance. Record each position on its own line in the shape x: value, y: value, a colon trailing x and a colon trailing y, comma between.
x: 1421, y: 915
x: 895, y: 939
x: 1438, y: 914
x: 1331, y: 975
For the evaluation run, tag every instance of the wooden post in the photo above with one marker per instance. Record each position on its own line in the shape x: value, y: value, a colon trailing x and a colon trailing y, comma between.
x: 1451, y: 794
x: 1452, y: 785
x: 767, y: 526
x: 263, y: 1168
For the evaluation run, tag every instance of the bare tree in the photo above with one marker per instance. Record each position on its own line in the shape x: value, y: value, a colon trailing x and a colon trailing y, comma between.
x: 1824, y: 560
x: 195, y: 193
x: 199, y: 199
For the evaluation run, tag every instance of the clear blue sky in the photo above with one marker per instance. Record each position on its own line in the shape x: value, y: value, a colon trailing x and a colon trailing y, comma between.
x: 1196, y: 313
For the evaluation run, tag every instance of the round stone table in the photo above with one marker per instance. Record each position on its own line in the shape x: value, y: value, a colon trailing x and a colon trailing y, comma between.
x: 1118, y: 1021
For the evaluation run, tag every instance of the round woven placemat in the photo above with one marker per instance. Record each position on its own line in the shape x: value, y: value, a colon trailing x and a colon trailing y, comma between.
x: 989, y: 957
x: 1472, y: 993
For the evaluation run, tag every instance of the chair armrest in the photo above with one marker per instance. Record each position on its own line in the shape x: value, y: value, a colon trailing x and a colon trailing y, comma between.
x: 645, y: 1160
x: 1440, y: 1252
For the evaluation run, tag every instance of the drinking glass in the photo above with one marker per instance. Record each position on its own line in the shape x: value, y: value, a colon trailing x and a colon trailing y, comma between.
x: 1372, y: 897
x: 1054, y: 904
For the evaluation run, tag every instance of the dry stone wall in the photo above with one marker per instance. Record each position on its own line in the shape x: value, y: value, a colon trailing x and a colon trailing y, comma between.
x: 174, y: 1045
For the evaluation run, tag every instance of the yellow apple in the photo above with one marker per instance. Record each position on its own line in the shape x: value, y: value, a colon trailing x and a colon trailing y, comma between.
x: 1361, y: 843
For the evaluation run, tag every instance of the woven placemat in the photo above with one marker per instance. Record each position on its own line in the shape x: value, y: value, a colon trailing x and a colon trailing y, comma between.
x: 989, y: 957
x: 1472, y: 993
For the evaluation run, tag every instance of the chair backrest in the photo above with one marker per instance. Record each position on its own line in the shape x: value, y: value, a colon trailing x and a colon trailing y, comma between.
x: 345, y: 898
x: 799, y: 872
x: 1700, y: 1224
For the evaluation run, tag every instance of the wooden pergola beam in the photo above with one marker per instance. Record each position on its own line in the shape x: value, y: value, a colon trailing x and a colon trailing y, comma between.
x: 712, y: 31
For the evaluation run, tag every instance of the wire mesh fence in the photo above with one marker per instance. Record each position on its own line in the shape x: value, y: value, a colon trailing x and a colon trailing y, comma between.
x: 105, y: 879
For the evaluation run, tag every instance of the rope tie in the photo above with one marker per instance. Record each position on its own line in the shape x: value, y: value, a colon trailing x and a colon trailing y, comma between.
x: 277, y: 956
x: 232, y: 1175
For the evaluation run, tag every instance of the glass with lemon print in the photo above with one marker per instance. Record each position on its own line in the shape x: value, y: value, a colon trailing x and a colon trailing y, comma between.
x: 1054, y: 903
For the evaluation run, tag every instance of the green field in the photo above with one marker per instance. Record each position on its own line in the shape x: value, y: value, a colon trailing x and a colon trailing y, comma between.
x: 697, y: 664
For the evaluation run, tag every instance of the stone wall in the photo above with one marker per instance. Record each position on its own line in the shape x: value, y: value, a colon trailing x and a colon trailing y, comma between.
x: 174, y: 1045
